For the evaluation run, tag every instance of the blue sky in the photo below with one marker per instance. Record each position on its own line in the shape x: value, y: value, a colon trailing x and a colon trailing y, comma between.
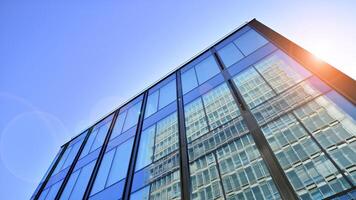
x: 63, y: 65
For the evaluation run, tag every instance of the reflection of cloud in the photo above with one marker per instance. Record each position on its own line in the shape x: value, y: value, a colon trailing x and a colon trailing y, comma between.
x: 29, y: 138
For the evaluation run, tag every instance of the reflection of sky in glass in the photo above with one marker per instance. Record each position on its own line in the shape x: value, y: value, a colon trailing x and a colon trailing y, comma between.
x: 77, y: 62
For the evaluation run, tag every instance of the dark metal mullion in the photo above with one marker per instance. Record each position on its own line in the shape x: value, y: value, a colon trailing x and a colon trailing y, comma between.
x: 100, y: 157
x: 44, y: 183
x: 71, y: 168
x: 183, y: 146
x: 323, y: 150
x: 280, y: 179
x: 132, y: 163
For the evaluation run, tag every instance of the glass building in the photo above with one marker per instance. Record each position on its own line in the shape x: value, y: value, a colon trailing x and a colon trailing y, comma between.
x: 254, y: 116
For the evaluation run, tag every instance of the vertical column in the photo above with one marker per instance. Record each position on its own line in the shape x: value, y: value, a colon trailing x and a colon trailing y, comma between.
x: 131, y: 170
x: 183, y: 149
x: 284, y: 187
x: 71, y: 168
x: 100, y: 157
x: 38, y: 194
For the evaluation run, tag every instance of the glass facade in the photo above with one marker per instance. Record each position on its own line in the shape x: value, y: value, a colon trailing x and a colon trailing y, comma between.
x: 243, y: 120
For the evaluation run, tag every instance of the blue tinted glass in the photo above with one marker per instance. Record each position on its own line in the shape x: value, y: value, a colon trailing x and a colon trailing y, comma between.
x: 69, y: 154
x: 70, y: 184
x: 152, y: 103
x: 51, y: 195
x: 145, y: 152
x: 82, y: 181
x: 118, y: 125
x: 100, y: 137
x: 168, y: 94
x: 104, y: 170
x: 121, y: 162
x: 132, y: 116
x: 206, y: 69
x: 230, y: 54
x: 189, y: 80
x: 250, y: 41
x: 89, y: 143
x: 142, y: 194
x: 344, y: 104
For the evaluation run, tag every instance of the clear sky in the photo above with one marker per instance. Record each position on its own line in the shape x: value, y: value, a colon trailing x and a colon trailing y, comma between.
x: 65, y: 64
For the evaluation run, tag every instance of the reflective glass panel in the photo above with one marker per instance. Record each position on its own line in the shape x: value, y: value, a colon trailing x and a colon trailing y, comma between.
x: 250, y: 41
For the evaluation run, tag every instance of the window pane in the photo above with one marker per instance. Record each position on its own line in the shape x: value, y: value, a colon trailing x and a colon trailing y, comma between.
x: 206, y: 69
x: 152, y: 104
x: 195, y: 120
x: 120, y: 163
x: 96, y: 137
x: 230, y: 54
x: 250, y: 41
x: 280, y: 71
x: 142, y: 194
x: 132, y: 116
x: 166, y: 138
x: 118, y: 125
x: 145, y: 152
x: 334, y: 130
x: 78, y: 189
x: 302, y: 169
x: 69, y: 154
x: 167, y: 94
x: 252, y: 87
x: 100, y: 179
x: 220, y: 106
x: 70, y: 184
x: 189, y: 80
x: 100, y: 137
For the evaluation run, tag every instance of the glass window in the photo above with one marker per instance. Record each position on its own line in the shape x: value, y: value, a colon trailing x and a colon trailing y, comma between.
x: 253, y: 87
x: 126, y: 119
x: 100, y: 179
x: 132, y: 116
x: 250, y: 41
x: 230, y: 54
x: 80, y: 180
x: 114, y: 166
x: 280, y: 71
x: 334, y: 129
x: 195, y: 120
x: 303, y: 170
x: 142, y: 194
x: 97, y: 137
x: 157, y: 164
x: 161, y: 98
x: 206, y: 69
x: 200, y: 73
x: 152, y: 103
x: 168, y: 94
x: 189, y: 80
x: 209, y: 111
x: 158, y: 141
x: 145, y: 152
x: 51, y: 192
x: 121, y: 162
x: 119, y: 124
x: 69, y: 154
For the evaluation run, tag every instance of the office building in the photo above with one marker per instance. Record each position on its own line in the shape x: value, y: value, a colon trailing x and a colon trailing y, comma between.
x: 254, y: 116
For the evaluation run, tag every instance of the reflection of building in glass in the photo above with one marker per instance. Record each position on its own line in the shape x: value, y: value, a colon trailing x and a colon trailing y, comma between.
x: 252, y: 117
